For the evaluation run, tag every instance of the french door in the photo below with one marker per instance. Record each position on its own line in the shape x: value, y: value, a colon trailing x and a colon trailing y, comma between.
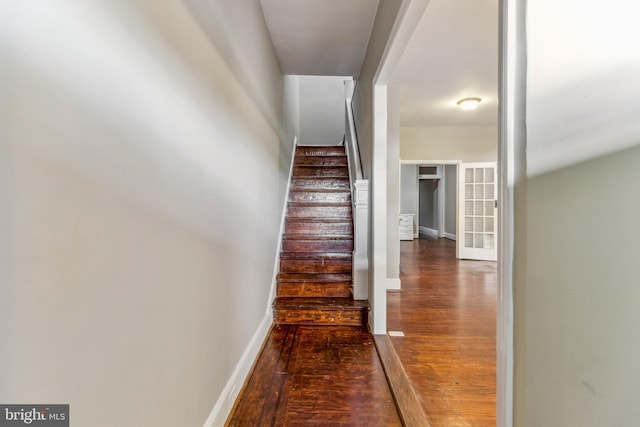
x: 477, y: 211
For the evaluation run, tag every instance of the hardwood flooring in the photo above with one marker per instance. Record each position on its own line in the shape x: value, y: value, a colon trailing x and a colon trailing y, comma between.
x: 316, y: 376
x: 332, y: 376
x: 447, y: 311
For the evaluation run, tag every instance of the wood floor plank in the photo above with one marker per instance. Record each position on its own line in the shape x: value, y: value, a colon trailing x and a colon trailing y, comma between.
x: 447, y: 311
x: 318, y: 376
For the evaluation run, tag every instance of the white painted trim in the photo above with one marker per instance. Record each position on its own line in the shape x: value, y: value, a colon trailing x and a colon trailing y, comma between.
x: 441, y: 202
x: 360, y: 269
x: 227, y: 398
x: 429, y: 231
x: 450, y: 236
x: 276, y: 266
x: 416, y: 217
x: 511, y: 170
x: 430, y: 162
x: 393, y: 284
x: 378, y: 266
x: 512, y: 86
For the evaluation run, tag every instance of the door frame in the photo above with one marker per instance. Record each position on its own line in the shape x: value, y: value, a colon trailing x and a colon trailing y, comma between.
x: 441, y: 195
x: 511, y: 173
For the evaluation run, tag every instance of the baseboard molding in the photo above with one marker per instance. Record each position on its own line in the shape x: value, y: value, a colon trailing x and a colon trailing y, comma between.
x: 407, y: 401
x: 221, y: 410
x: 393, y: 284
x: 450, y: 236
x: 428, y: 231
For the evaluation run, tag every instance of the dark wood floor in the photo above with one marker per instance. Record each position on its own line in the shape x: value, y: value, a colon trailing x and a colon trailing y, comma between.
x: 447, y: 311
x: 332, y: 376
x: 316, y: 376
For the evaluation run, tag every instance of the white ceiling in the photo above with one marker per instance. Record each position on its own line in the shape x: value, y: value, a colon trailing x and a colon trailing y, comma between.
x: 452, y: 54
x: 320, y: 37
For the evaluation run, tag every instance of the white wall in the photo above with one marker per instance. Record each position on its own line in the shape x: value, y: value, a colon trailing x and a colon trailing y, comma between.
x: 249, y: 53
x: 466, y: 143
x: 393, y: 185
x: 576, y: 288
x: 321, y: 109
x: 133, y: 161
x: 291, y: 117
x: 581, y: 314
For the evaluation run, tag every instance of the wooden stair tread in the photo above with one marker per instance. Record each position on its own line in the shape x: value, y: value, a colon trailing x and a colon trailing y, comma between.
x: 320, y: 151
x: 315, y: 255
x: 320, y: 303
x: 318, y: 237
x: 325, y: 236
x: 319, y: 204
x: 321, y: 161
x: 314, y: 277
x: 321, y: 178
x: 320, y: 220
x: 320, y: 190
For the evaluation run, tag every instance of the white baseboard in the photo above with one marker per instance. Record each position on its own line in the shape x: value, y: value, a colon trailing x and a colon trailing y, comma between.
x: 428, y: 231
x: 450, y: 236
x: 393, y: 284
x: 221, y: 410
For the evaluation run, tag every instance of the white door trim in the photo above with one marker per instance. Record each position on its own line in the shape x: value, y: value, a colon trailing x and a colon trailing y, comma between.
x: 511, y: 169
x: 511, y: 155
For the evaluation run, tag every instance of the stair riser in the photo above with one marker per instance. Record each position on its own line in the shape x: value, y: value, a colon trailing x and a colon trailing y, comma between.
x: 295, y: 228
x: 315, y: 266
x: 321, y: 161
x: 319, y: 197
x: 321, y: 171
x: 319, y: 212
x: 317, y: 245
x: 296, y: 289
x: 320, y: 151
x: 320, y: 184
x: 320, y: 317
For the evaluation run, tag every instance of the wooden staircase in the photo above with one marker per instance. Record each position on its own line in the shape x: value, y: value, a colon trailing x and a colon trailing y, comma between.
x: 315, y: 281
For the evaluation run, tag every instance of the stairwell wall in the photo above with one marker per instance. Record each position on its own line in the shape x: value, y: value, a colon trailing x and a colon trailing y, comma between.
x: 363, y: 94
x: 138, y: 205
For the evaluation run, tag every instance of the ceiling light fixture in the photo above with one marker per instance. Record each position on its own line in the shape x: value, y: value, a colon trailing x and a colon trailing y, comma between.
x: 469, y: 104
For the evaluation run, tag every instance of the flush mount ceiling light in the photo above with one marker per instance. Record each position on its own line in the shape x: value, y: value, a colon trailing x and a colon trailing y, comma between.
x: 468, y: 104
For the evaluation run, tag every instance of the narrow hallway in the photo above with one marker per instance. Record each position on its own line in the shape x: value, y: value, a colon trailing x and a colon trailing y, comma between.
x: 316, y: 376
x: 447, y: 312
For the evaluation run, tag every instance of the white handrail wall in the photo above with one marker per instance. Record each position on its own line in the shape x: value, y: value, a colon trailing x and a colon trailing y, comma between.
x: 359, y: 200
